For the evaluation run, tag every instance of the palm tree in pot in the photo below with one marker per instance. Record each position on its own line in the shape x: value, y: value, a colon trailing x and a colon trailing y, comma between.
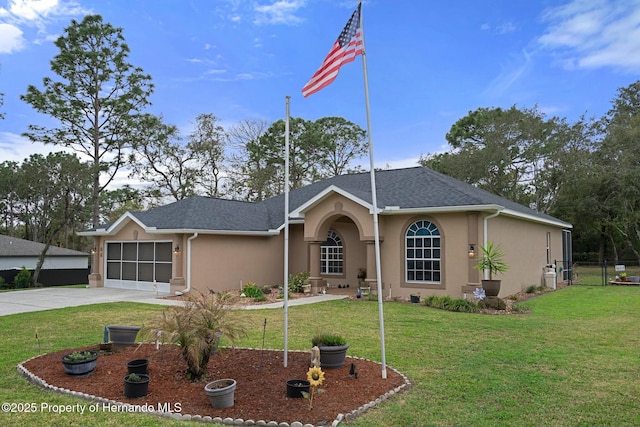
x: 493, y: 262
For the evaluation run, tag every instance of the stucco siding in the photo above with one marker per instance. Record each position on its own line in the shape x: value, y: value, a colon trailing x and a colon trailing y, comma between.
x: 525, y: 247
x: 221, y: 262
x: 454, y: 259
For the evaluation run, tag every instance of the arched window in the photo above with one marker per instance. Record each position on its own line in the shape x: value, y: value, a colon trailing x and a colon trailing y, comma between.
x: 422, y: 253
x: 331, y: 254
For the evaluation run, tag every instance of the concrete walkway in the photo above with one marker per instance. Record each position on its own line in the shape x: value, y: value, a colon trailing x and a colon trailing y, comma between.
x: 56, y: 297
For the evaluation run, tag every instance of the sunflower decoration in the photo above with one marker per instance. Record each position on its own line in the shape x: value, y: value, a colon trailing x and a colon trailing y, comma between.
x: 315, y: 376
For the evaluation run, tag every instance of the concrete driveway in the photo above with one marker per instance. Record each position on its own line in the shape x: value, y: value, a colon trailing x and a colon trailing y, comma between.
x: 56, y: 297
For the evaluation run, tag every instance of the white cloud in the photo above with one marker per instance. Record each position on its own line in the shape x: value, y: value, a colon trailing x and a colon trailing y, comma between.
x: 10, y: 38
x: 593, y: 34
x: 22, y: 14
x: 279, y: 12
x: 32, y: 10
x: 15, y: 148
x: 510, y: 73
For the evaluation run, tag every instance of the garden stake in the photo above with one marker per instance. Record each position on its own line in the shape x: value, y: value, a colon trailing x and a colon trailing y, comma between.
x: 264, y: 331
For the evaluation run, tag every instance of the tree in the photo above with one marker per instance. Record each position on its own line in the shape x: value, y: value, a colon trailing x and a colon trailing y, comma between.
x: 618, y: 159
x: 53, y: 205
x: 512, y: 153
x: 346, y: 142
x: 207, y: 143
x: 9, y: 179
x: 162, y: 161
x: 317, y: 150
x: 121, y: 200
x: 96, y: 100
x: 242, y: 177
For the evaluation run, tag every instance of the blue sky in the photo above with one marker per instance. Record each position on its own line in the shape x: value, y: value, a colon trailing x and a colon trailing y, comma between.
x: 429, y: 62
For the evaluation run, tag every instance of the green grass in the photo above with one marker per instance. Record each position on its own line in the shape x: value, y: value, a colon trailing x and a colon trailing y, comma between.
x: 593, y: 274
x: 572, y: 361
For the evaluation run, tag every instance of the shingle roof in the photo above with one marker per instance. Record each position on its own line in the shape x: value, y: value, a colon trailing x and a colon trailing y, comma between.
x: 410, y: 188
x: 12, y: 246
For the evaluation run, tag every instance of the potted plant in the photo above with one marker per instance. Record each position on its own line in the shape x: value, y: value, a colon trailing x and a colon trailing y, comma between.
x: 362, y: 275
x: 414, y: 298
x: 491, y: 260
x: 80, y: 363
x: 221, y: 393
x: 333, y: 350
x: 197, y: 326
x: 296, y: 387
x: 136, y: 385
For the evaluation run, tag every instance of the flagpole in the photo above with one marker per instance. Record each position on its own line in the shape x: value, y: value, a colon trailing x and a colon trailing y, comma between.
x: 286, y: 230
x: 374, y: 201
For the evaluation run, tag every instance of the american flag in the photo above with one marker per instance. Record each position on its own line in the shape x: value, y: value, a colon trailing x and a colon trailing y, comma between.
x: 344, y: 50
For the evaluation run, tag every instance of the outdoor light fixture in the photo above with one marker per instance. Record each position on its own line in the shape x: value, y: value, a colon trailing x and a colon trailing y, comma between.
x: 93, y: 251
x: 472, y: 251
x: 176, y: 250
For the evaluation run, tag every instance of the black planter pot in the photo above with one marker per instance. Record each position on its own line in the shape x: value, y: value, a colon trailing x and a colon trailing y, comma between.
x: 415, y: 299
x: 138, y: 366
x: 296, y: 387
x: 136, y: 388
x: 332, y: 356
x: 80, y: 368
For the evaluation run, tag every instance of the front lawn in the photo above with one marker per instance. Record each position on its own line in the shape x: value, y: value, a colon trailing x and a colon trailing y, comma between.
x: 572, y: 361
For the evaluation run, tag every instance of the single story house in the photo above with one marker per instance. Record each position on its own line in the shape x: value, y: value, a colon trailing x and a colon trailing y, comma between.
x: 431, y: 227
x: 61, y: 266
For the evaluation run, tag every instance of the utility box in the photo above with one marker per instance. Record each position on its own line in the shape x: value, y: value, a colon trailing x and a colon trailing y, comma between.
x: 550, y: 278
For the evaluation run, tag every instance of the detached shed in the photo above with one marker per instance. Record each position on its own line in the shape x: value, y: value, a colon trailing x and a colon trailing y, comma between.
x: 61, y: 266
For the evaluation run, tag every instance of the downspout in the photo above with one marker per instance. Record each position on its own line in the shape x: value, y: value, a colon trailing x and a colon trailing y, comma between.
x: 188, y: 288
x: 485, y: 239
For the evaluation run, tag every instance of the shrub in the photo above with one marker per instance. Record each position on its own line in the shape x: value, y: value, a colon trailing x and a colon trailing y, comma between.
x: 452, y: 304
x: 260, y: 298
x: 252, y: 290
x: 22, y: 279
x: 533, y: 289
x: 297, y: 282
x: 197, y: 327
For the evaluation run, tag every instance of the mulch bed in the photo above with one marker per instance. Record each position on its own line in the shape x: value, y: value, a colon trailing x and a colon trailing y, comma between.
x: 261, y: 383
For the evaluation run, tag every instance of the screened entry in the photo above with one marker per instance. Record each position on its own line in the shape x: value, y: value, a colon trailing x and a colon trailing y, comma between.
x: 138, y: 265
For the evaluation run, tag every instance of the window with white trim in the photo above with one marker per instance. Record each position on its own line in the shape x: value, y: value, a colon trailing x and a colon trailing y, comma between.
x: 331, y: 254
x: 422, y: 253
